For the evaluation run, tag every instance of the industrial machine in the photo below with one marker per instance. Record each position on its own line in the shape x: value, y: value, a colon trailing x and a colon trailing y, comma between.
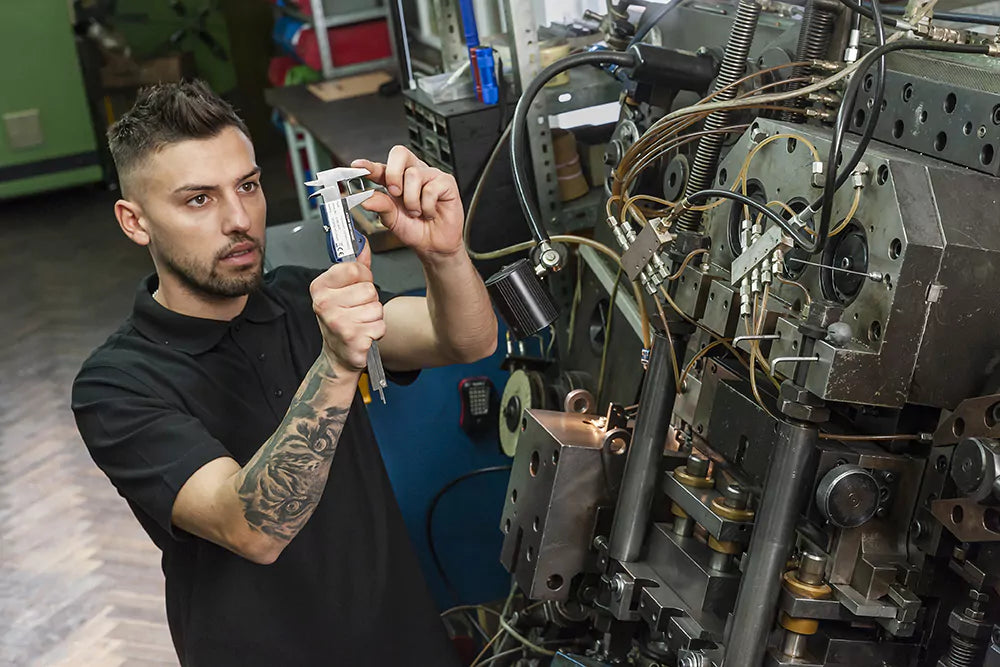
x: 797, y: 461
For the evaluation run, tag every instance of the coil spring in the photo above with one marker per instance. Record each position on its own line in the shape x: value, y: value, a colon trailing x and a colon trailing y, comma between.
x: 962, y: 652
x: 706, y: 158
x: 818, y: 23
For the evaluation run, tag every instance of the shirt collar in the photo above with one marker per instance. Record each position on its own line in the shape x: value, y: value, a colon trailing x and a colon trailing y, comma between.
x: 194, y: 335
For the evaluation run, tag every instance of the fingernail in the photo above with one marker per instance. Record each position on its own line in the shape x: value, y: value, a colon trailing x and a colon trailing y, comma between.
x: 394, y: 190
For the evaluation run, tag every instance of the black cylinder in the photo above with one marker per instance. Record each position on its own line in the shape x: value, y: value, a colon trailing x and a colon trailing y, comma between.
x: 642, y: 467
x: 789, y: 478
x: 706, y: 158
x: 521, y: 300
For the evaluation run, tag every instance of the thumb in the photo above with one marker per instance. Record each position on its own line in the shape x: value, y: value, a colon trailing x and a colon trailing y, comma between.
x: 366, y: 255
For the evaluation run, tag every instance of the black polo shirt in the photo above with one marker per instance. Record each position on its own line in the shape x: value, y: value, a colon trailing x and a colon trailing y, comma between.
x: 166, y: 394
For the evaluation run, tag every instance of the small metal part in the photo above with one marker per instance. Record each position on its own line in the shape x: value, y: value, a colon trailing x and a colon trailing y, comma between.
x: 736, y: 497
x: 794, y: 644
x: 848, y: 496
x: 697, y: 466
x: 839, y: 334
x: 859, y: 175
x: 789, y: 360
x: 817, y: 174
x: 812, y: 568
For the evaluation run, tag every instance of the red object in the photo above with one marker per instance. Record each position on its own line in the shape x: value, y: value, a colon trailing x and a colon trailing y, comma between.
x: 278, y: 68
x: 349, y: 44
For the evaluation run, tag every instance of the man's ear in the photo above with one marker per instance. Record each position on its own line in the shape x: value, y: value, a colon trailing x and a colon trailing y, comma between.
x: 132, y: 222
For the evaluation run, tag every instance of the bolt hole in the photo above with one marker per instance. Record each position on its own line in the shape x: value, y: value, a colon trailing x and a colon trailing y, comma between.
x: 535, y: 524
x: 533, y: 463
x: 555, y: 457
x: 895, y: 248
x: 986, y: 154
x: 923, y: 115
x: 992, y: 416
x: 941, y: 464
x: 513, y: 496
x: 859, y: 117
x: 957, y: 514
x: 958, y: 427
x: 506, y: 526
x: 723, y: 176
x: 991, y: 520
x: 882, y: 175
x: 617, y: 446
x: 907, y: 92
x: 869, y: 80
x: 524, y: 423
x: 791, y: 144
x: 950, y: 103
x: 554, y: 582
x: 875, y: 331
x: 940, y: 141
x: 967, y: 129
x: 897, y: 129
x: 530, y: 553
x: 996, y: 115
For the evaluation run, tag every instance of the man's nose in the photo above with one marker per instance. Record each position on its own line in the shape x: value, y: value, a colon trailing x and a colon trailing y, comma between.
x: 237, y: 219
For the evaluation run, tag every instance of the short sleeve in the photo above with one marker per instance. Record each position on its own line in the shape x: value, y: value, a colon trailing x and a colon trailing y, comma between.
x: 146, y: 447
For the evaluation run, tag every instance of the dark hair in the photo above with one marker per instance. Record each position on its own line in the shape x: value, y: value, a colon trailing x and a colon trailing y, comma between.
x: 167, y: 113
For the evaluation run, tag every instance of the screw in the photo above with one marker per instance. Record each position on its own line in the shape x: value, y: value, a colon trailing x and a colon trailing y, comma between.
x: 889, y: 476
x: 697, y: 466
x: 735, y: 496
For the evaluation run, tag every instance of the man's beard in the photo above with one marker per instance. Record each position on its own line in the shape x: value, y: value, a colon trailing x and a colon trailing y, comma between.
x: 206, y: 280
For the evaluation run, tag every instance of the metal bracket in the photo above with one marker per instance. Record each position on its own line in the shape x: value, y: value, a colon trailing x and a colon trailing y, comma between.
x: 647, y: 243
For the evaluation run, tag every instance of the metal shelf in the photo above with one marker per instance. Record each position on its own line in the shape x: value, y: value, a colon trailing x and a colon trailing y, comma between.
x: 588, y: 87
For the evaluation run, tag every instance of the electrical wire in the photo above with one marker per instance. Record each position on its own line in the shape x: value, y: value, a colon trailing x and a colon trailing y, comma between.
x: 850, y: 213
x: 694, y: 360
x: 521, y: 638
x: 832, y: 179
x: 670, y: 341
x: 607, y: 337
x: 824, y: 203
x: 520, y: 154
x: 429, y: 522
x: 954, y: 17
x: 643, y: 30
x: 684, y: 264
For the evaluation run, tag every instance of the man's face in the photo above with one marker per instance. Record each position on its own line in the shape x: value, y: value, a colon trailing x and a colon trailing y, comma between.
x: 204, y: 210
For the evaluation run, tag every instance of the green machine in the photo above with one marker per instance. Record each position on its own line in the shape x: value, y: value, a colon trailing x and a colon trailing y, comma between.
x: 47, y: 137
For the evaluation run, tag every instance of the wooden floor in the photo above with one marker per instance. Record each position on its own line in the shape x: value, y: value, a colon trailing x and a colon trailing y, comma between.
x: 80, y: 583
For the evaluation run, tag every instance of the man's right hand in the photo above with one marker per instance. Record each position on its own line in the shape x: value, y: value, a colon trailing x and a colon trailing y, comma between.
x: 349, y: 312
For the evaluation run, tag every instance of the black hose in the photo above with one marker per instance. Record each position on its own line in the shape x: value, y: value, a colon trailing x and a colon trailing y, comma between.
x: 649, y: 21
x: 520, y: 156
x: 866, y: 10
x: 789, y: 228
x: 825, y: 201
x: 429, y: 523
x: 832, y: 179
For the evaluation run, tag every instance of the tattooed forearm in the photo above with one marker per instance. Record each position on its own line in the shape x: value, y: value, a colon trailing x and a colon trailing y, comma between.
x: 281, y: 485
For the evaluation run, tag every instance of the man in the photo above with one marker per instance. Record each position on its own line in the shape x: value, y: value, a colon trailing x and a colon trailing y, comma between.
x: 225, y: 410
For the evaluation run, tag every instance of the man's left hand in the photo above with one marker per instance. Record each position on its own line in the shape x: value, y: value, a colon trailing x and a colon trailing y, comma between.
x: 423, y: 207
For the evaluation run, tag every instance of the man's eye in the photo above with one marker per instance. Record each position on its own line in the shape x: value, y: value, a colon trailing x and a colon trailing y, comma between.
x: 249, y: 186
x: 198, y: 200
